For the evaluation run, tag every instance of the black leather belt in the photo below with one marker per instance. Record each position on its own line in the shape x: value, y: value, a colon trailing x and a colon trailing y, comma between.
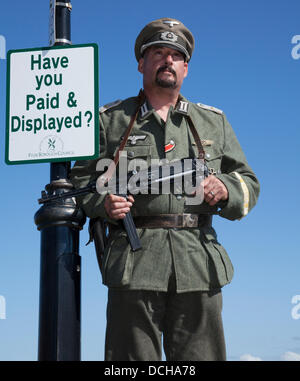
x: 173, y: 221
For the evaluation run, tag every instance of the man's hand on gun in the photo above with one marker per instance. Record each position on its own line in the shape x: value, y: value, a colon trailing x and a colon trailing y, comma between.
x: 214, y: 190
x: 116, y: 207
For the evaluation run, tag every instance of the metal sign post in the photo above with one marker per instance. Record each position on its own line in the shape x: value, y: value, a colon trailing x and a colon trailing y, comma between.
x: 59, y: 223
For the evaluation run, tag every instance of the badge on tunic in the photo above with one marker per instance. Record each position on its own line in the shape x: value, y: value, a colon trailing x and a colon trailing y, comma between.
x: 170, y: 146
x: 207, y: 142
x: 134, y: 138
x: 204, y: 142
x: 183, y: 107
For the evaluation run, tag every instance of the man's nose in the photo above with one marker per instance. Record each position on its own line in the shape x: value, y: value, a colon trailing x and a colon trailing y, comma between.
x: 168, y: 58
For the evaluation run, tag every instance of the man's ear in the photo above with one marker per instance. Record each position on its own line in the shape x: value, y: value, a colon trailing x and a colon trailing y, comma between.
x: 186, y: 69
x: 141, y: 65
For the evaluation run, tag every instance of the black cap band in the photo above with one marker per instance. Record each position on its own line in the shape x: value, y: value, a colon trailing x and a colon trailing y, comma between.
x: 169, y: 39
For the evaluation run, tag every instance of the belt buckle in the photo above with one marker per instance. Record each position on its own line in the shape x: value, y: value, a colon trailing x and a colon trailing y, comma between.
x: 190, y: 220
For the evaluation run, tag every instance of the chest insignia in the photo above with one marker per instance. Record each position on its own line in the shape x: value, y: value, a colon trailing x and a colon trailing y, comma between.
x: 205, y: 142
x: 134, y: 138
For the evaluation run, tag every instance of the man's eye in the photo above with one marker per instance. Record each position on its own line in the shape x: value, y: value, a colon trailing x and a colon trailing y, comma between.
x: 177, y: 56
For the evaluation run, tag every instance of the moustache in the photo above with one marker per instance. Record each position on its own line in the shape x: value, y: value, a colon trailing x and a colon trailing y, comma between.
x: 166, y: 67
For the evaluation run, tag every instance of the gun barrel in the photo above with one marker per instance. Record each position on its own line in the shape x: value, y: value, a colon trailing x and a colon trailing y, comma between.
x: 73, y: 193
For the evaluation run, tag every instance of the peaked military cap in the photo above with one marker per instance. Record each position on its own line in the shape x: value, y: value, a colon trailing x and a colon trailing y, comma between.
x: 166, y: 32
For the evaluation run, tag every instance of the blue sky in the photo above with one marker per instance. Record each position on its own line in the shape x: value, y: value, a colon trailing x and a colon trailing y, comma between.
x: 243, y: 65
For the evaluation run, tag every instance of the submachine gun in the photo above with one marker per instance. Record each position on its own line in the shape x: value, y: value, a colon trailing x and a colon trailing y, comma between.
x: 152, y: 180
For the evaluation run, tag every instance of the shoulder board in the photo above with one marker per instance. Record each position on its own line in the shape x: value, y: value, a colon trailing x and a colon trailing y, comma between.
x: 109, y: 105
x: 211, y: 108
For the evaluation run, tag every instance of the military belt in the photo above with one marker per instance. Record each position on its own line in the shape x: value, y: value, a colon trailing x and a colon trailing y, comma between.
x: 173, y: 221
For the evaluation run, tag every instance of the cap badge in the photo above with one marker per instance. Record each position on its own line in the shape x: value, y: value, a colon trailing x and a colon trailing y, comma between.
x: 169, y: 36
x: 171, y: 23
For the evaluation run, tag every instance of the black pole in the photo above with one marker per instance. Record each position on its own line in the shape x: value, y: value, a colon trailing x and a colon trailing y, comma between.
x: 60, y: 274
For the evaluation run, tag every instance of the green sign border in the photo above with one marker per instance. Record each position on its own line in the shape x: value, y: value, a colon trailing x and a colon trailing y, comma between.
x: 96, y: 105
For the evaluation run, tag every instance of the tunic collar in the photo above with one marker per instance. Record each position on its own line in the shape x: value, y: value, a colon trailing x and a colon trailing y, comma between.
x: 182, y: 107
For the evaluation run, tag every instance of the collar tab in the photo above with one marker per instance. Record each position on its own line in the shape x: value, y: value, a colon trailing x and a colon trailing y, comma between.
x: 183, y: 107
x: 144, y: 111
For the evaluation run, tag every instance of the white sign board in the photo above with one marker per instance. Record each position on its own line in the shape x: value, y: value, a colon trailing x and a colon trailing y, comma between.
x: 52, y: 104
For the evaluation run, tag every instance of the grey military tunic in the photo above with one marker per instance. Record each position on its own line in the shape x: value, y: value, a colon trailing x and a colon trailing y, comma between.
x: 194, y: 255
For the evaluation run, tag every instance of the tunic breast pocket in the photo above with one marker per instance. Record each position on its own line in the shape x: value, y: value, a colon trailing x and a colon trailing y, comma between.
x: 139, y: 151
x: 213, y: 157
x: 135, y: 159
x: 138, y: 157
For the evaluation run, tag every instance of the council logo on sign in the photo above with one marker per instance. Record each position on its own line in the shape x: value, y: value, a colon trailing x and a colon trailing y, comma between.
x: 51, y: 144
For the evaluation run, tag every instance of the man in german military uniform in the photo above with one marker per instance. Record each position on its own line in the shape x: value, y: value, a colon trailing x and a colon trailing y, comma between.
x: 172, y: 287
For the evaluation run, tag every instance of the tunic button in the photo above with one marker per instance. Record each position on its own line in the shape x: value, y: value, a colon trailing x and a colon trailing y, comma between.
x: 172, y: 142
x: 130, y: 154
x: 179, y: 197
x: 208, y: 155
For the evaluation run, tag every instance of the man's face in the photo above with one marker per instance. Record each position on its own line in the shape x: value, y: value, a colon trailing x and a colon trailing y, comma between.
x: 163, y: 67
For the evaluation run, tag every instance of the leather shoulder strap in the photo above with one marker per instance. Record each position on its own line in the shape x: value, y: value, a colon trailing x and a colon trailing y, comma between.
x: 201, y: 152
x: 105, y: 177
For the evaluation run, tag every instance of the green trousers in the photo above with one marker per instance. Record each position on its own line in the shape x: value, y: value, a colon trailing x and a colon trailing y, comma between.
x: 190, y: 324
